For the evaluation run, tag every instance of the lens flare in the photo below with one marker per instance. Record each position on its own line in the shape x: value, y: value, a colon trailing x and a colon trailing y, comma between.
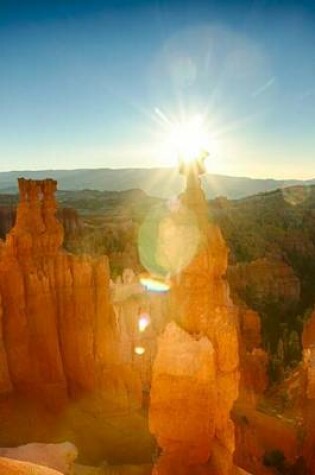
x: 168, y: 240
x: 143, y: 322
x: 139, y: 350
x: 155, y: 284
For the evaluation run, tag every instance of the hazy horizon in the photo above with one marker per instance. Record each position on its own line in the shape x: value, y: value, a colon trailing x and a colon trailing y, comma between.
x: 171, y: 167
x: 279, y: 178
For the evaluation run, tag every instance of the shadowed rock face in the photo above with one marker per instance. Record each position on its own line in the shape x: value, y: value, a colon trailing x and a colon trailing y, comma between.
x: 269, y: 280
x: 308, y: 340
x: 7, y: 217
x: 253, y: 359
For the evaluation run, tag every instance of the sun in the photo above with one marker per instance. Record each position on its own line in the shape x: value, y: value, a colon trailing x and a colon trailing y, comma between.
x: 185, y: 141
x: 189, y: 139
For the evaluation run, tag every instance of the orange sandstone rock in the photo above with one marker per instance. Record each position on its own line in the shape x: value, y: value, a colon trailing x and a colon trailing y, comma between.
x: 59, y: 457
x: 195, y: 374
x: 58, y: 327
x: 5, y: 382
x: 14, y: 467
x: 183, y: 395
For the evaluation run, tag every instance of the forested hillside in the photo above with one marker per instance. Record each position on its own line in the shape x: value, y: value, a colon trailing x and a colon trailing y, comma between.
x: 271, y: 238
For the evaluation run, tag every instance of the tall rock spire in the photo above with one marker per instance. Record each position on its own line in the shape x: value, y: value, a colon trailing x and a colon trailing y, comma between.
x: 37, y: 232
x: 58, y: 334
x: 193, y: 196
x: 195, y: 374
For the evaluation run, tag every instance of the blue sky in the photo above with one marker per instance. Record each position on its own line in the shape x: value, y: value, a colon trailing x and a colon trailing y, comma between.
x: 81, y: 83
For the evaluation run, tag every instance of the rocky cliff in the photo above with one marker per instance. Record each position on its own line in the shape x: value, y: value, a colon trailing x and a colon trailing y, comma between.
x: 59, y: 337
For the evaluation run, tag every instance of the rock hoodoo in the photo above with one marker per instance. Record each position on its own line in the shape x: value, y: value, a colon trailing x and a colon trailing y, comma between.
x: 253, y: 358
x: 195, y: 374
x: 58, y: 333
x: 61, y: 341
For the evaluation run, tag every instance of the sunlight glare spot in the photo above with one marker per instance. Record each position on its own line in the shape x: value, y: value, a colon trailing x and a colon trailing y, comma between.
x: 154, y: 284
x: 143, y: 322
x: 168, y: 241
x: 139, y: 350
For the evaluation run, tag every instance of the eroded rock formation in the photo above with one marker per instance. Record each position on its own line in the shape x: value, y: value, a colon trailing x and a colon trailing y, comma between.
x: 66, y: 215
x: 195, y: 374
x: 308, y: 340
x: 58, y: 333
x: 132, y: 303
x: 184, y: 366
x: 266, y: 280
x: 7, y: 217
x: 254, y: 359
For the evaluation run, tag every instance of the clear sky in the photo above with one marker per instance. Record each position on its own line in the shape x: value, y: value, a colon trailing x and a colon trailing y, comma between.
x: 86, y: 84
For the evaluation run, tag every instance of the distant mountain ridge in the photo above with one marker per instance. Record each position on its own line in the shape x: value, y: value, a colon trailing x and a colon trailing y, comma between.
x: 159, y: 182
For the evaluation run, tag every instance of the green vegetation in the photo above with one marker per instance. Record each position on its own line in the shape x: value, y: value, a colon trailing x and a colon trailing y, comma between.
x: 279, y: 225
